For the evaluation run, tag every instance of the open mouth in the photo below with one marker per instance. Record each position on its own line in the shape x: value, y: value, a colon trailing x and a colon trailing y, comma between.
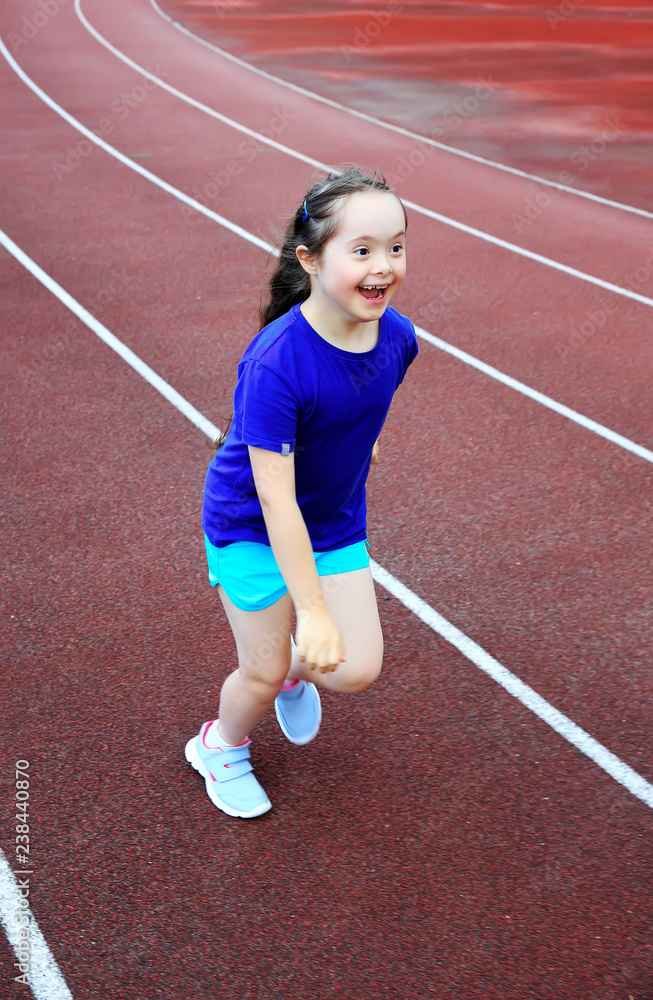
x: 373, y: 292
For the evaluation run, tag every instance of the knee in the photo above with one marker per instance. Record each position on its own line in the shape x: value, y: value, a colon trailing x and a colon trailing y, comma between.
x: 360, y: 676
x: 265, y: 676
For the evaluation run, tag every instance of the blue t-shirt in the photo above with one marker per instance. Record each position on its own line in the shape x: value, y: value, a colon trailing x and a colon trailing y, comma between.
x: 297, y: 393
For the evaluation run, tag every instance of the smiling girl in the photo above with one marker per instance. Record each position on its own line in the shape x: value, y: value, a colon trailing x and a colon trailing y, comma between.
x: 284, y: 510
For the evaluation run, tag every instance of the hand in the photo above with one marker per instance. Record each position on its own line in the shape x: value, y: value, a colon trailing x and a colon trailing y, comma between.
x: 375, y: 453
x: 318, y: 640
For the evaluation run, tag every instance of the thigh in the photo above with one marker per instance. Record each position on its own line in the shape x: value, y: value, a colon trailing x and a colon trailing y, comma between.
x: 351, y: 599
x: 262, y: 637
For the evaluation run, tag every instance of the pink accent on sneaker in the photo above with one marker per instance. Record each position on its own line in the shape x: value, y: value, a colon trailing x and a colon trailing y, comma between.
x: 221, y: 749
x: 289, y: 685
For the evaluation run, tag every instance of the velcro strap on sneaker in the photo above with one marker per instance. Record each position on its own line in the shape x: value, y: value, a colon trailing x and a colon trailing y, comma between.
x: 233, y: 769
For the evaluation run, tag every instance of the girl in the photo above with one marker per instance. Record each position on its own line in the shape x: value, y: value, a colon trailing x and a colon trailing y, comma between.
x: 284, y: 510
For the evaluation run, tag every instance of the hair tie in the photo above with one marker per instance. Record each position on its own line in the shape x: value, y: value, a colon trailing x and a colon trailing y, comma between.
x: 305, y: 216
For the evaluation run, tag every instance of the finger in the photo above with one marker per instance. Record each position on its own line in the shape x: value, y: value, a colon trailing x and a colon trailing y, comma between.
x: 314, y: 655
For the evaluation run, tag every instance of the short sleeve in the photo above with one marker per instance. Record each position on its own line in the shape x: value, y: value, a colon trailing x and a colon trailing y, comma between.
x: 411, y: 348
x: 267, y: 408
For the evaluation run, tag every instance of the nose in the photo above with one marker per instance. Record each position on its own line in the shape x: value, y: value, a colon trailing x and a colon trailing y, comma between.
x: 381, y: 264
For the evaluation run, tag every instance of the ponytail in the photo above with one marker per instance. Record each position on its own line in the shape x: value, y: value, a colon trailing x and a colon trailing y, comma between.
x: 313, y: 224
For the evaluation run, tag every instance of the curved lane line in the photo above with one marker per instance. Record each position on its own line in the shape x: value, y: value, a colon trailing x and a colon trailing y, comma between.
x: 600, y: 755
x: 112, y: 151
x: 44, y: 976
x: 455, y: 151
x: 111, y: 340
x: 429, y: 213
x: 587, y: 745
x: 468, y: 359
x: 538, y: 397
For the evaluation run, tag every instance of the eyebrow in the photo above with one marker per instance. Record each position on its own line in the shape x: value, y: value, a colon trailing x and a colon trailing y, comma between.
x: 371, y: 239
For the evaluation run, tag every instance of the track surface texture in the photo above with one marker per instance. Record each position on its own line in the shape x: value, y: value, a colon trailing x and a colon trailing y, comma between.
x: 438, y: 838
x: 531, y: 83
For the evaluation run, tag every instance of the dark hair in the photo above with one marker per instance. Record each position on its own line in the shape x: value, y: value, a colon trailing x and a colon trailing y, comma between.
x: 313, y: 225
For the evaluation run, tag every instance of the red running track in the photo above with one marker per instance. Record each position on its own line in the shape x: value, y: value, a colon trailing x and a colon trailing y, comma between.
x: 531, y: 83
x: 438, y: 839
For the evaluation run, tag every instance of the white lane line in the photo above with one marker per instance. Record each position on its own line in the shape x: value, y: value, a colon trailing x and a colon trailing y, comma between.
x: 191, y: 100
x: 44, y: 975
x: 429, y: 213
x: 507, y: 380
x: 415, y: 136
x: 602, y: 757
x: 569, y: 731
x: 132, y: 164
x: 110, y: 340
x: 539, y: 397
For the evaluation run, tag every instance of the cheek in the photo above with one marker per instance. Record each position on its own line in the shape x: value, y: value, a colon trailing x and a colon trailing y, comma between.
x: 399, y: 270
x: 339, y: 274
x: 345, y: 277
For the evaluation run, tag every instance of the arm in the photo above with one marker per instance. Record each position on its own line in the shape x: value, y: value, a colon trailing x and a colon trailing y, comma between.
x: 318, y: 638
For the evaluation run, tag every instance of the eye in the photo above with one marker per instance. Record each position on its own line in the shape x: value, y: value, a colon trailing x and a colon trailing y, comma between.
x: 361, y: 251
x: 397, y: 248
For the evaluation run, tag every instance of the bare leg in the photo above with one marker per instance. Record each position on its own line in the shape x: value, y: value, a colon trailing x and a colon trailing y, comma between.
x: 263, y: 643
x: 351, y: 600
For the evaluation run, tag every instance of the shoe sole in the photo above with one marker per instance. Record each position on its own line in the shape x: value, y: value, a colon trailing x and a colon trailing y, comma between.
x: 305, y: 739
x: 195, y: 760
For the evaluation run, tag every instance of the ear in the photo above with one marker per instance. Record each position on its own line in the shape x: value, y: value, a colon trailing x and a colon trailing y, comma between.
x: 306, y: 259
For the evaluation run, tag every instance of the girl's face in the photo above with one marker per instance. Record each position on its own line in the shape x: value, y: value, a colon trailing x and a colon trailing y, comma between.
x: 364, y: 263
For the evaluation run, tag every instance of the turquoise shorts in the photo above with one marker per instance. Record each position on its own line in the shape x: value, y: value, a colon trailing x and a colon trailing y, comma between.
x: 251, y: 579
